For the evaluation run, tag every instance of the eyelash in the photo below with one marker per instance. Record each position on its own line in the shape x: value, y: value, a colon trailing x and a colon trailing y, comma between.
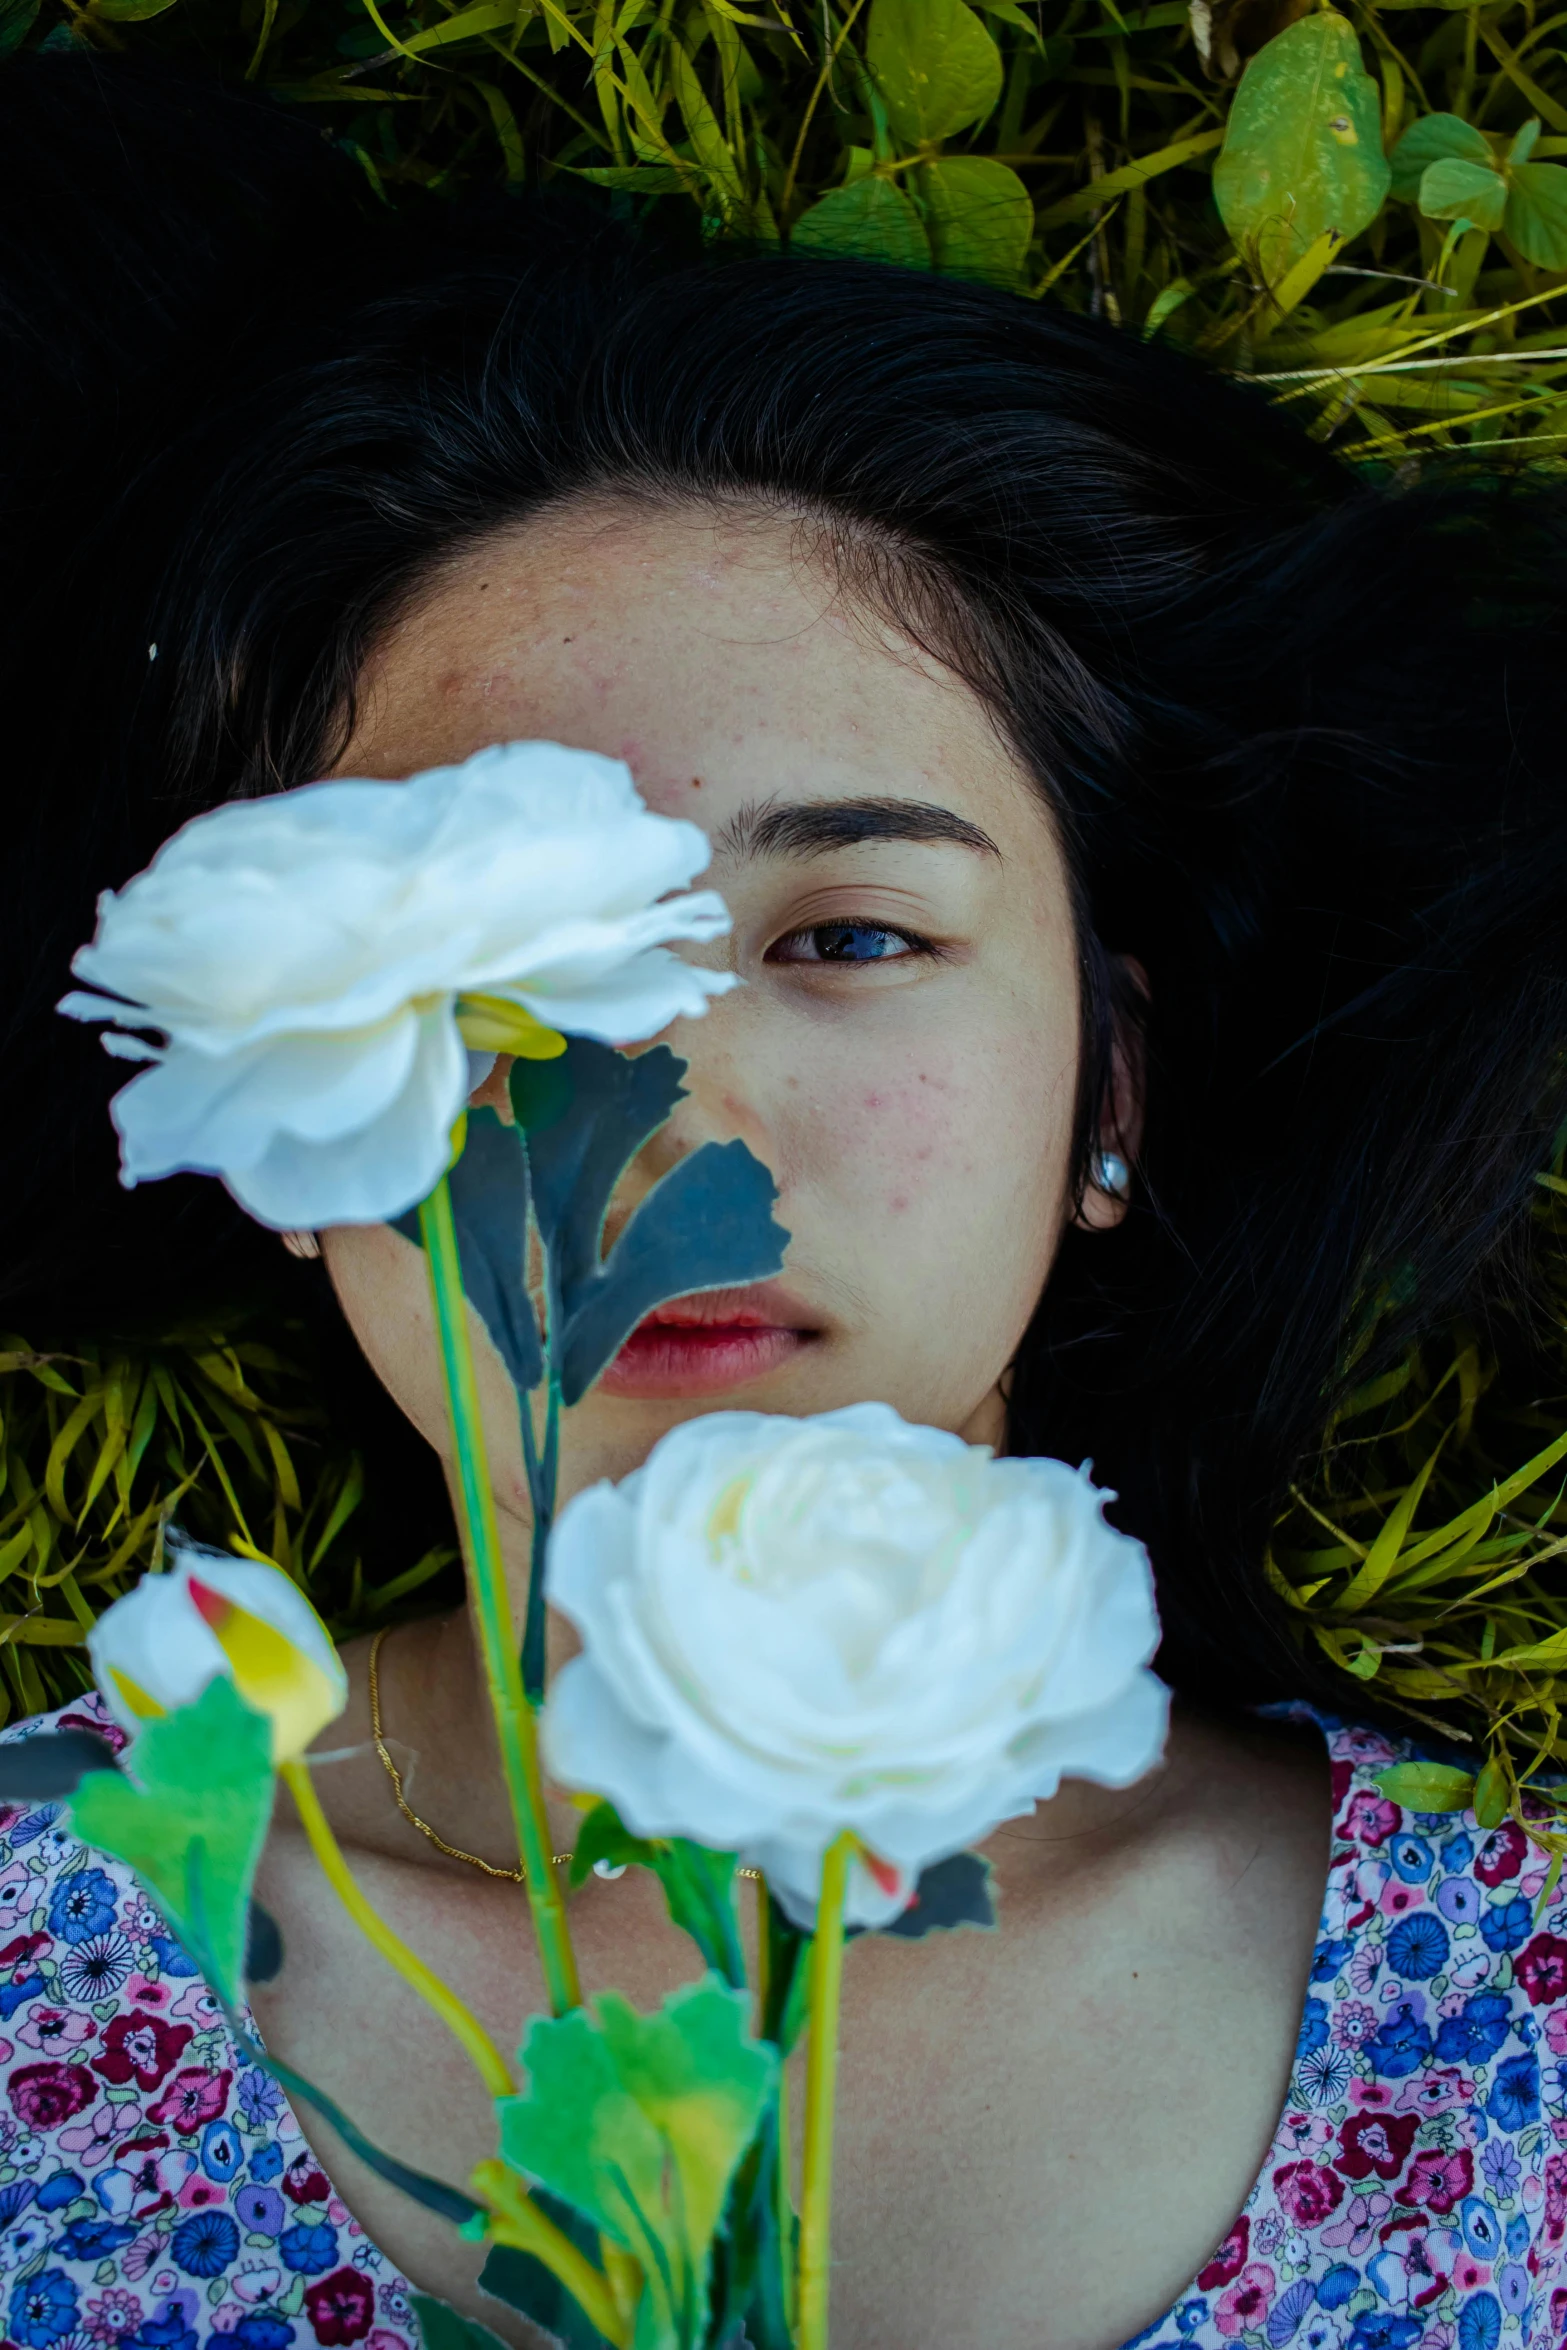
x: 909, y: 939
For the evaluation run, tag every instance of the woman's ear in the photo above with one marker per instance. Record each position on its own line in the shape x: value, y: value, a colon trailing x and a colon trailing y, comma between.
x: 1108, y: 1192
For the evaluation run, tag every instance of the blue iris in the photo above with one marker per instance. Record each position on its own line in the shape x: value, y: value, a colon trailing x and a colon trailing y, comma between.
x: 1474, y: 2035
x: 1328, y: 1958
x: 56, y: 2192
x: 1458, y: 1898
x: 1506, y: 1925
x: 164, y: 2333
x: 312, y: 2250
x: 83, y: 1905
x: 1514, y: 2101
x: 222, y: 2154
x: 92, y: 2239
x: 1411, y: 1856
x: 14, y: 1995
x: 1401, y: 2046
x: 1377, y: 2332
x: 1417, y: 1947
x: 43, y: 2309
x: 260, y: 2332
x: 1482, y: 2230
x: 1313, y: 2028
x: 172, y: 1960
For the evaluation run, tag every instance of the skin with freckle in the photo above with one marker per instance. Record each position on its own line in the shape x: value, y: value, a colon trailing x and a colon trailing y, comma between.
x: 903, y: 1055
x: 915, y: 1110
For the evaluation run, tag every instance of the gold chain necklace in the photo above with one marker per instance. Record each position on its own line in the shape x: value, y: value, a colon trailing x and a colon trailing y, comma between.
x: 453, y: 1851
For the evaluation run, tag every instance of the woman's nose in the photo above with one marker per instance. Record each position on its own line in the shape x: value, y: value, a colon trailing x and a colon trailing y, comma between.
x: 719, y: 1101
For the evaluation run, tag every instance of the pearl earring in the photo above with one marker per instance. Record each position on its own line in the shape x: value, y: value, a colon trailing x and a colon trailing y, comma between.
x: 1112, y: 1175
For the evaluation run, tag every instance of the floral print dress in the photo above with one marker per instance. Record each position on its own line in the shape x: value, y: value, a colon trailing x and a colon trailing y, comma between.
x: 1415, y: 2197
x: 156, y: 2192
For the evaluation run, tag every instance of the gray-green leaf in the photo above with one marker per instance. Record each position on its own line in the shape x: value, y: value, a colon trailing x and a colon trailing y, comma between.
x: 1303, y: 151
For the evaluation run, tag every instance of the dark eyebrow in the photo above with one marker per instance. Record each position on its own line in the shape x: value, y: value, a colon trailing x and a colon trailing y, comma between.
x: 806, y: 828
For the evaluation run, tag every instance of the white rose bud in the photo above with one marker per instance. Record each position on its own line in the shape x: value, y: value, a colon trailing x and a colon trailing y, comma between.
x: 320, y: 962
x: 210, y: 1613
x: 793, y: 1627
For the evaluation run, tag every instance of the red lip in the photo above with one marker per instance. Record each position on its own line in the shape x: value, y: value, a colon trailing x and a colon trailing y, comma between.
x: 707, y: 1343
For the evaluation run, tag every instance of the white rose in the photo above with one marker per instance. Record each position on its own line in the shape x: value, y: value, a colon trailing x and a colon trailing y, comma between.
x: 795, y: 1627
x: 211, y: 1613
x: 304, y: 956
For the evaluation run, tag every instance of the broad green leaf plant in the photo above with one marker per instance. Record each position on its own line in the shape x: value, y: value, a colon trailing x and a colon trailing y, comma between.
x: 1360, y: 206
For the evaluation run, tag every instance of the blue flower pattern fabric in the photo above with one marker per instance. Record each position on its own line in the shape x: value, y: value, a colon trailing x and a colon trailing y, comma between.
x: 156, y: 2192
x: 1416, y: 2194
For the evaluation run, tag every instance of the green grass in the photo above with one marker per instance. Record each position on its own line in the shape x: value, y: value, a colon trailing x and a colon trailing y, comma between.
x: 1363, y: 211
x: 1069, y: 148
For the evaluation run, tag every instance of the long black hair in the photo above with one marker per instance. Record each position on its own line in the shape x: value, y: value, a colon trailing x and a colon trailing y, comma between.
x: 1299, y: 728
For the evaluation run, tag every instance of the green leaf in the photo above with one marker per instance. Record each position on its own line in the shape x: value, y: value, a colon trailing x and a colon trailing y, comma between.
x: 1455, y: 190
x: 441, y: 2327
x: 1010, y: 13
x: 1491, y: 1795
x: 1524, y: 141
x: 17, y: 18
x: 638, y: 179
x: 1435, y: 138
x: 189, y: 1813
x: 526, y: 2283
x: 604, y: 1836
x: 1427, y: 1786
x: 131, y: 11
x: 787, y: 1974
x: 935, y: 65
x: 640, y: 2123
x: 870, y: 219
x: 699, y: 1893
x: 699, y: 1885
x: 981, y: 217
x: 1303, y: 150
x: 1537, y: 213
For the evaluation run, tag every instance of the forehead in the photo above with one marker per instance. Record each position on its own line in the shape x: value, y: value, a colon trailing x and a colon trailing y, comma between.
x: 714, y: 653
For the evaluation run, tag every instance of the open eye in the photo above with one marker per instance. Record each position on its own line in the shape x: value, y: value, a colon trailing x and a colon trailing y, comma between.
x: 845, y: 942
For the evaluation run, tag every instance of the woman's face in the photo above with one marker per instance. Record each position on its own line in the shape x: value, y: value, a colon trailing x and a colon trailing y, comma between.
x: 903, y: 1051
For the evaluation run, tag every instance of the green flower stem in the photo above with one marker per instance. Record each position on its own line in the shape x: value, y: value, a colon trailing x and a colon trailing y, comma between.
x: 515, y: 1725
x: 459, y: 2019
x: 783, y: 2207
x: 821, y: 2081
